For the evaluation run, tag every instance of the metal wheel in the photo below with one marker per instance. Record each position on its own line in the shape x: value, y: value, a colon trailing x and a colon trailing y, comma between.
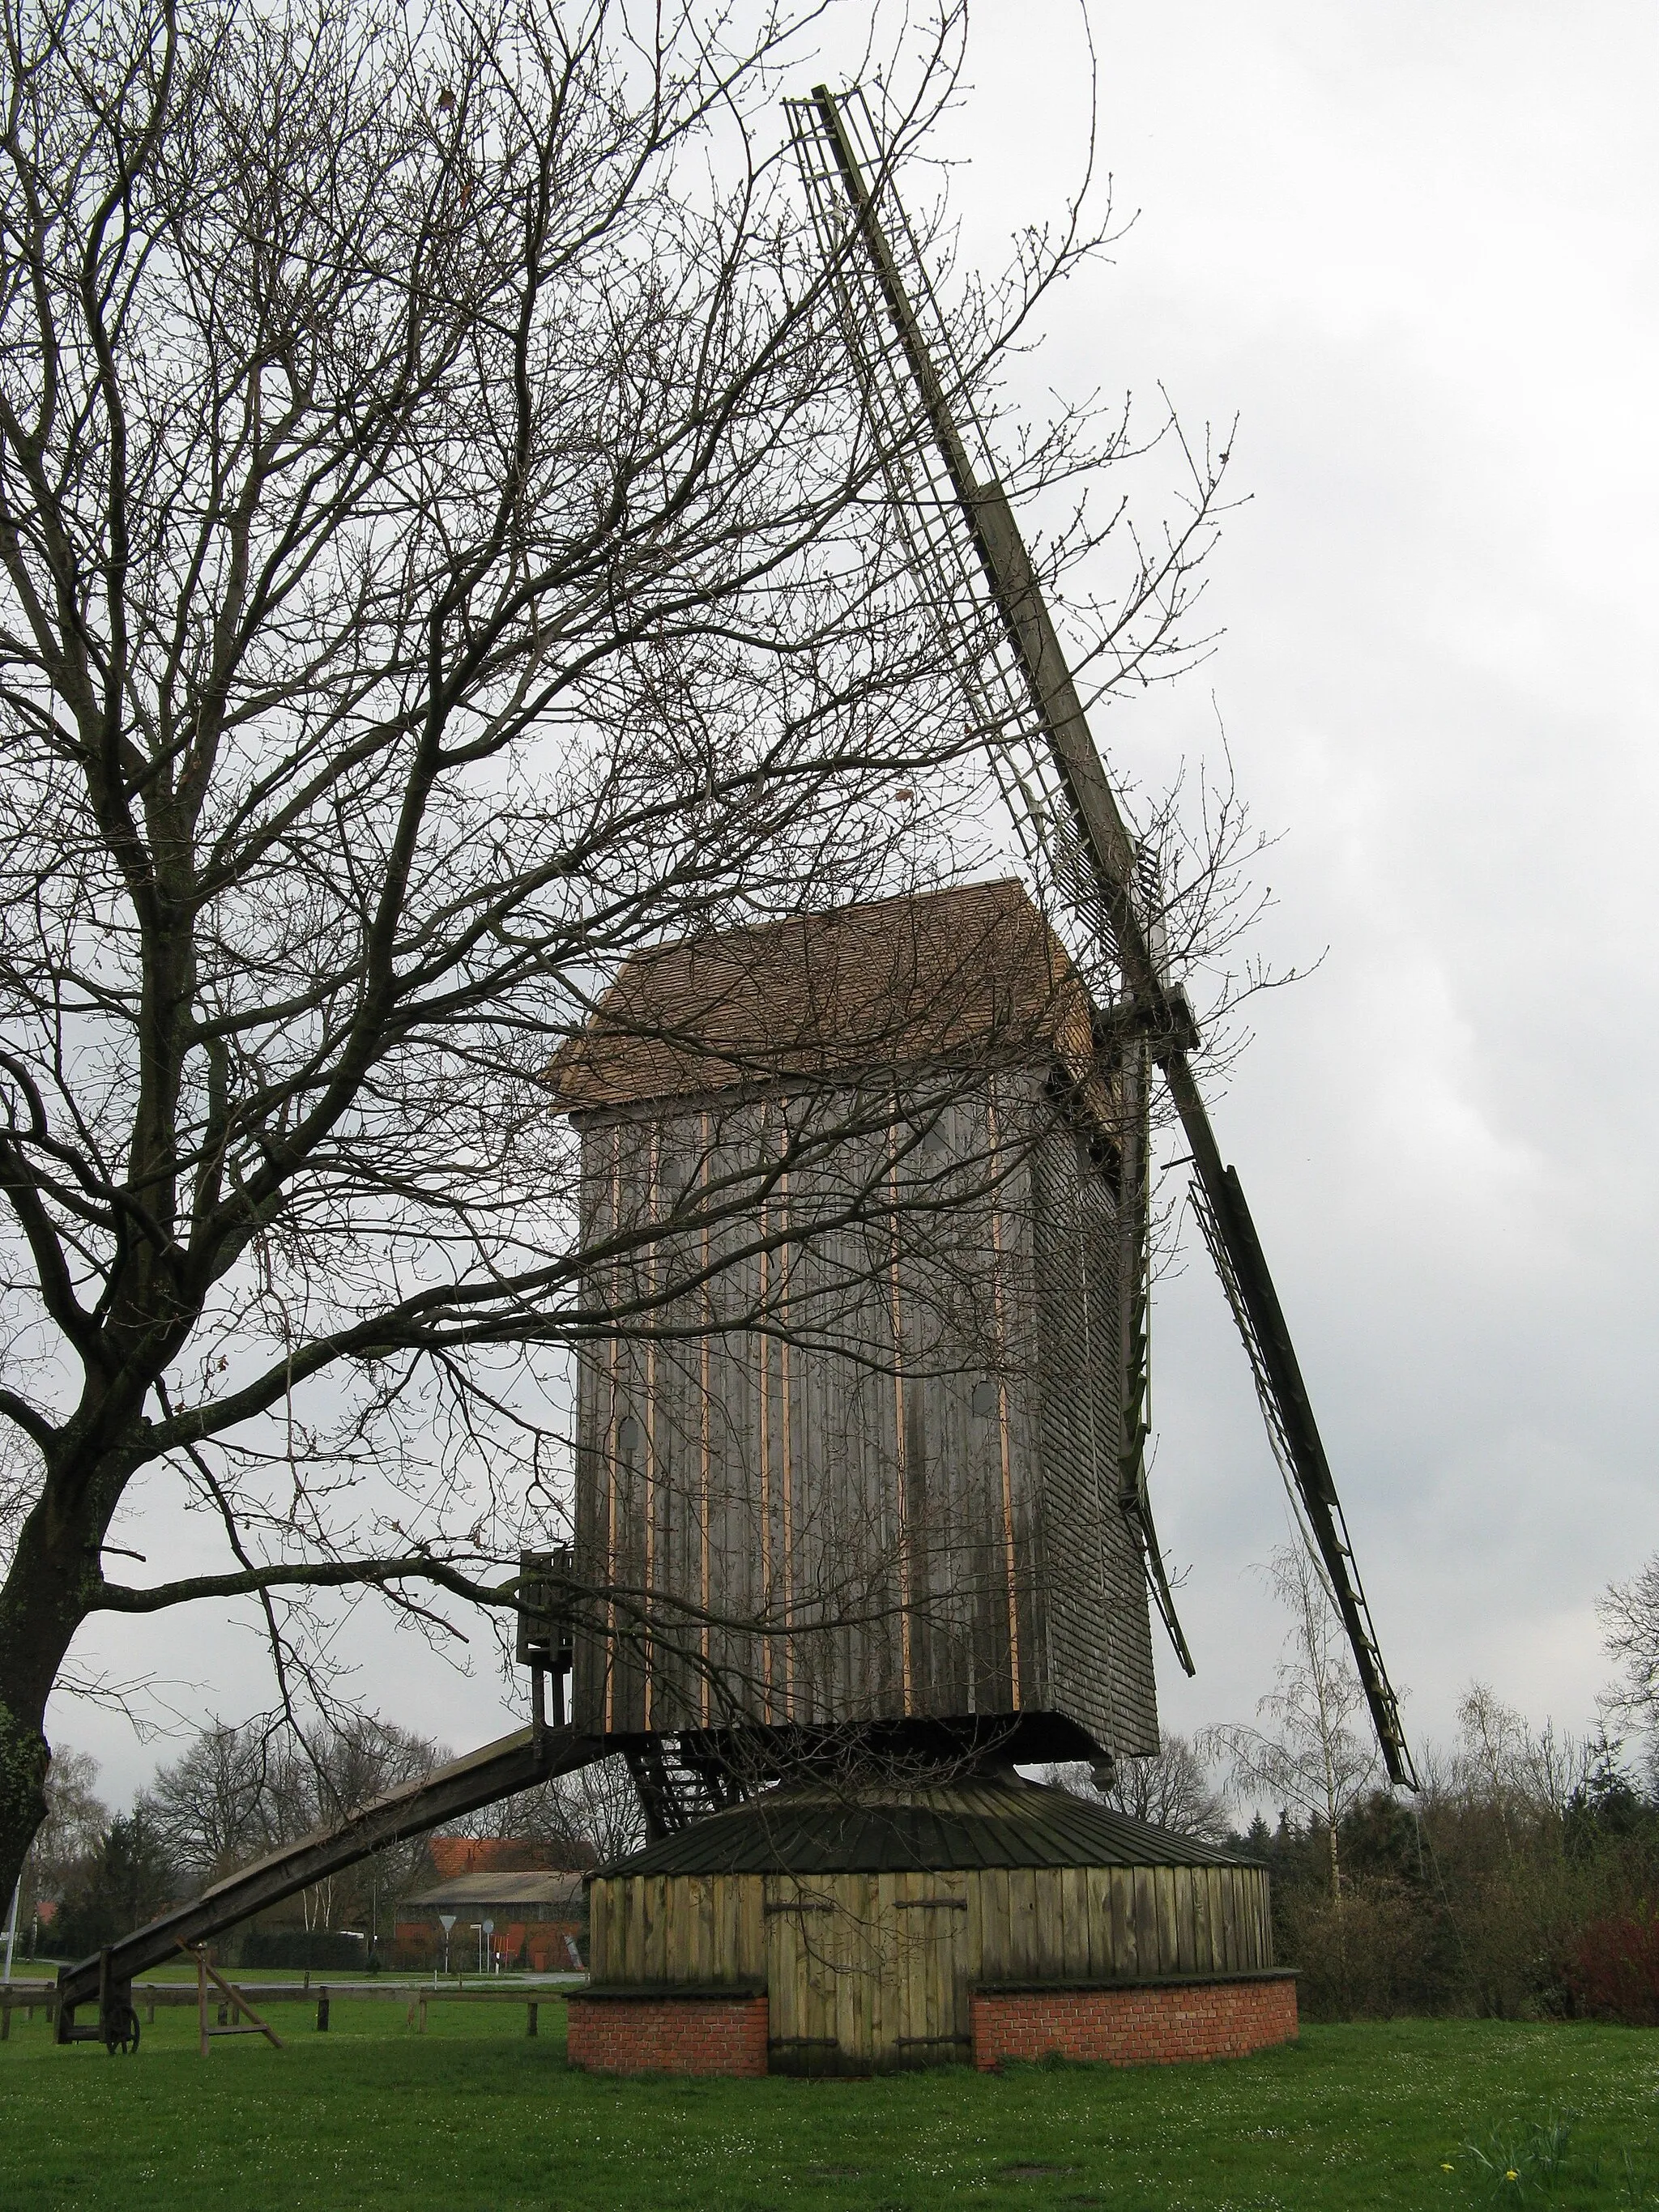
x: 121, y: 2030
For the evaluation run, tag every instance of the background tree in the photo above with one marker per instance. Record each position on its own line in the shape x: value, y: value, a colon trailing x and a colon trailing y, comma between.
x: 1171, y: 1789
x: 1311, y: 1761
x: 578, y: 1820
x: 127, y: 1881
x: 236, y: 1794
x: 1629, y: 1631
x: 211, y: 1808
x: 68, y: 1839
x: 437, y: 556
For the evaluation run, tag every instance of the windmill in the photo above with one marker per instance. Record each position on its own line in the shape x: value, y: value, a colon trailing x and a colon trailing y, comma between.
x: 845, y: 1868
x: 973, y: 565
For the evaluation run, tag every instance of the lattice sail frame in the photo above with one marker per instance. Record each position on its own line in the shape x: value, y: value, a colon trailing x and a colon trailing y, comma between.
x: 927, y: 501
x: 973, y: 570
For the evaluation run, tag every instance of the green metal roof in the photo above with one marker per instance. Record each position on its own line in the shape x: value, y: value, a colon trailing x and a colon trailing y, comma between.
x: 821, y: 1831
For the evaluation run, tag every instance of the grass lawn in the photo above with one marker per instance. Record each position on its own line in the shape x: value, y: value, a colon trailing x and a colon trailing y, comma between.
x: 475, y: 2118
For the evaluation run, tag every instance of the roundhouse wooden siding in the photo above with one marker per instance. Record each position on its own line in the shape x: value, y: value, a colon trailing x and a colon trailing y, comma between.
x: 684, y: 1929
x: 881, y: 1966
x: 788, y: 1475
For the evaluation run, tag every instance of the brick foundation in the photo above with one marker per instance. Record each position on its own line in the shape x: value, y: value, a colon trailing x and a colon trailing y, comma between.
x: 667, y: 2031
x: 1134, y: 2023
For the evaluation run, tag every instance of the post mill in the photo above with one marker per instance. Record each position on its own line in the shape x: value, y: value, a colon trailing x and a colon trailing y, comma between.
x: 860, y: 1470
x: 861, y: 1517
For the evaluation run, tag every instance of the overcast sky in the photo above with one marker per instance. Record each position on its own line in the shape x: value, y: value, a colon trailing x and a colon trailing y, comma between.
x: 1413, y: 248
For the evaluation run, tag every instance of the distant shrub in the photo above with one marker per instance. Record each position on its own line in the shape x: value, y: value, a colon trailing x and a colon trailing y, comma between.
x: 1360, y: 1958
x: 317, y: 1947
x: 1615, y: 1970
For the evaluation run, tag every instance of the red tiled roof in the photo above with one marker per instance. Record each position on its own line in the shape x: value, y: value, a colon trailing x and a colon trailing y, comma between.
x: 455, y: 1856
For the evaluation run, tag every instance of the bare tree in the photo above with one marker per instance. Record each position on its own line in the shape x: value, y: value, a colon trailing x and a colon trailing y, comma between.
x: 1309, y: 1758
x: 1630, y: 1634
x: 1172, y: 1789
x: 211, y: 1807
x: 237, y: 1793
x: 440, y: 557
x: 66, y: 1839
x: 1528, y: 1777
x: 591, y: 1816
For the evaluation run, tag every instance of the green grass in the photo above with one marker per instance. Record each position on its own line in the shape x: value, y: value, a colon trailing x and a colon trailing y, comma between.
x: 183, y: 1969
x: 475, y: 2118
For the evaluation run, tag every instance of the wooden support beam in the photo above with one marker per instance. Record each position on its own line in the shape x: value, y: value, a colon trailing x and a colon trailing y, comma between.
x: 499, y: 1770
x: 235, y: 2000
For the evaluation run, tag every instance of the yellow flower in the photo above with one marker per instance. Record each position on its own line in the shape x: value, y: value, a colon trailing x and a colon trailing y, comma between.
x: 1512, y: 2175
x: 1446, y: 2166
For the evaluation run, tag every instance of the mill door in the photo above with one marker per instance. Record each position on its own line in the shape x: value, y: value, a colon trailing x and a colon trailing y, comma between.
x: 867, y: 1971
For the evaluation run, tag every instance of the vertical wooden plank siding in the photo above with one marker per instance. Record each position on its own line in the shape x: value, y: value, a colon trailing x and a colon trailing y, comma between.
x: 705, y: 1415
x: 1180, y: 1882
x: 999, y: 1955
x: 653, y: 1893
x: 709, y: 1963
x: 1232, y: 1951
x: 1205, y: 1961
x: 1169, y: 1940
x: 840, y: 2011
x: 1264, y: 1915
x: 873, y: 1934
x: 1048, y: 1939
x: 634, y: 1932
x: 900, y: 1457
x: 1220, y: 1920
x: 1074, y: 1924
x: 1126, y: 1947
x: 1011, y: 1567
x: 598, y: 1931
x: 612, y: 1418
x: 787, y: 1610
x: 652, y: 1174
x: 910, y: 1957
x: 1027, y: 1951
x: 1148, y: 1954
x: 1097, y: 1896
x: 765, y: 1488
x: 780, y: 1991
x: 1204, y: 1920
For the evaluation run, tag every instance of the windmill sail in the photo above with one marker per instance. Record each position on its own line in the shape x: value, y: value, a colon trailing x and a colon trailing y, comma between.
x: 973, y: 565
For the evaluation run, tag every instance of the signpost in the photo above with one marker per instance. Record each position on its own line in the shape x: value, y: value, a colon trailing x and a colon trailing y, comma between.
x: 446, y: 1921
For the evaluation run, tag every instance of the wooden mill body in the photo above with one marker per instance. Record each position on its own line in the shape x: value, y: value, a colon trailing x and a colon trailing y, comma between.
x: 851, y: 1451
x: 871, y: 1964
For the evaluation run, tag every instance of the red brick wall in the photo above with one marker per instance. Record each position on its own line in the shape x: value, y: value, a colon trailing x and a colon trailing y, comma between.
x: 659, y: 2032
x: 1148, y: 2024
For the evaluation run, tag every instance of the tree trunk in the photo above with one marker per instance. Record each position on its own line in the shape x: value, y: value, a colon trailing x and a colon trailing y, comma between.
x: 42, y: 1604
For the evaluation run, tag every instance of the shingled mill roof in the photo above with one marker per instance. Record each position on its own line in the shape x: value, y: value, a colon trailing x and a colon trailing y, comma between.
x: 1001, y: 1823
x: 900, y: 982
